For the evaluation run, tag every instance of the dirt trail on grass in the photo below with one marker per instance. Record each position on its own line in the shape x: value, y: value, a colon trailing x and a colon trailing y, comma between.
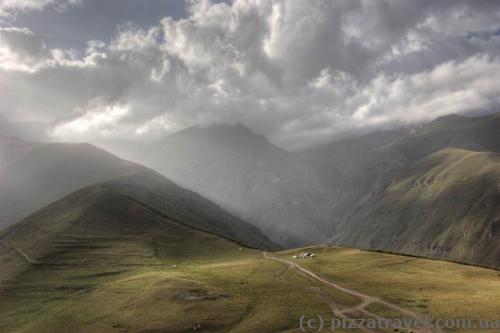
x: 364, y: 298
x: 20, y: 252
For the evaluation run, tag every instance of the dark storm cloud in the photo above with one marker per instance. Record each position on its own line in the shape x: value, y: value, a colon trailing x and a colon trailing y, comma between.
x: 297, y: 71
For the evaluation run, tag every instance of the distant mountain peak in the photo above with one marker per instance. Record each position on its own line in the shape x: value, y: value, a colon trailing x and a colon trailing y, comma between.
x: 231, y: 129
x: 234, y: 135
x: 449, y: 119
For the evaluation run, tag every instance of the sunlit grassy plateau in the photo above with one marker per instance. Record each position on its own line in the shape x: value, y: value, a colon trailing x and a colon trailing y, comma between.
x: 131, y: 283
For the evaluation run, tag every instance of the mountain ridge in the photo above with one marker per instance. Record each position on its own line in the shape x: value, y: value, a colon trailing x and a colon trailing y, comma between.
x: 122, y: 206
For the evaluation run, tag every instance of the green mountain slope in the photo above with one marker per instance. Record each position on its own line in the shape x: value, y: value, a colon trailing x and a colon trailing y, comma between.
x: 445, y: 205
x: 129, y: 254
x: 116, y: 207
x: 383, y: 184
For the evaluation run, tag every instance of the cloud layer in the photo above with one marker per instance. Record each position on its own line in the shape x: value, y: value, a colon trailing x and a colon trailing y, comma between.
x: 299, y: 72
x: 10, y: 8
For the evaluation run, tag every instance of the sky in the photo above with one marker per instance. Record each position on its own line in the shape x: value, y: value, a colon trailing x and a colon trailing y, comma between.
x: 299, y: 72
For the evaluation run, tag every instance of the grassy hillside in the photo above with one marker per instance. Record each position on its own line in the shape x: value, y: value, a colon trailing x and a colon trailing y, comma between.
x: 81, y: 212
x: 428, y: 190
x: 445, y: 205
x: 101, y: 260
x: 124, y: 280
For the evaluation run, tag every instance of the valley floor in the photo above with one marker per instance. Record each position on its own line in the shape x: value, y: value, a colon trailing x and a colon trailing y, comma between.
x: 225, y: 288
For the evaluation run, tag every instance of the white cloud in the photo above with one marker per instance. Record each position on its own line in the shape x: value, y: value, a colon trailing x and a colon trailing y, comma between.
x: 451, y: 87
x: 9, y: 8
x: 21, y: 50
x: 299, y: 72
x: 99, y: 119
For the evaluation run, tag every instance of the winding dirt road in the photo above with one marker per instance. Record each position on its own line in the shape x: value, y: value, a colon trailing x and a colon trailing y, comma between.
x: 364, y: 298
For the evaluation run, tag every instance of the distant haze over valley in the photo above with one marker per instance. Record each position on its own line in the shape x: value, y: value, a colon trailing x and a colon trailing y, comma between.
x: 426, y: 190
